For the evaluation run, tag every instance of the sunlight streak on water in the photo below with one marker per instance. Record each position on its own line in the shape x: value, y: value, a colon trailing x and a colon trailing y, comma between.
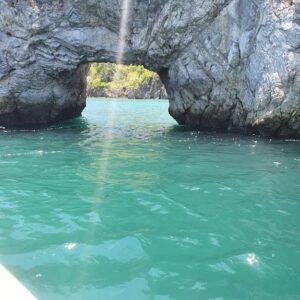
x: 108, y: 139
x: 112, y: 113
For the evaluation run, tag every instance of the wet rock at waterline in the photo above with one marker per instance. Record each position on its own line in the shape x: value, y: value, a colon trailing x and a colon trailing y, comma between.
x: 225, y: 64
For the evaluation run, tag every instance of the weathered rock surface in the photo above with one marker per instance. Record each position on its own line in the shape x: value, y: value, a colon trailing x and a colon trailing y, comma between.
x: 226, y: 64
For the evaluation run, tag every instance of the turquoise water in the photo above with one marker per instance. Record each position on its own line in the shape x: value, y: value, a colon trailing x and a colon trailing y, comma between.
x: 124, y: 204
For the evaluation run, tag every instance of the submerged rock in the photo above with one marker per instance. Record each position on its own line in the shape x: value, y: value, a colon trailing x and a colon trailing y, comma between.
x: 226, y: 64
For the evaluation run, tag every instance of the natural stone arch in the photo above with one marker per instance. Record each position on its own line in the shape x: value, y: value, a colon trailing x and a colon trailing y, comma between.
x: 226, y: 64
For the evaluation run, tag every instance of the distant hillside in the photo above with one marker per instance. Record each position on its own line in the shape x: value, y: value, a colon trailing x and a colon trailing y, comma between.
x: 133, y: 82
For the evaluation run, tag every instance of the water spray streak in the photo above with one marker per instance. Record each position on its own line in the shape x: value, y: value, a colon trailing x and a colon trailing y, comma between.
x: 108, y: 138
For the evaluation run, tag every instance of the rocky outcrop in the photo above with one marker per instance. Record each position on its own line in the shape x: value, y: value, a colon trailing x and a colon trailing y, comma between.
x: 226, y: 64
x: 154, y: 89
x: 132, y: 82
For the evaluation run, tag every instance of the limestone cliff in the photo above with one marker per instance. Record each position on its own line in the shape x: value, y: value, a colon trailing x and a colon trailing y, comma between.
x: 226, y: 64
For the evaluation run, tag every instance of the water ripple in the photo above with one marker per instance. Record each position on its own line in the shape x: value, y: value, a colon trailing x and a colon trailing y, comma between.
x: 162, y: 213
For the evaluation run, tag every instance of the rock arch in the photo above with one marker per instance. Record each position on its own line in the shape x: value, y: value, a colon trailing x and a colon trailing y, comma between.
x: 226, y: 64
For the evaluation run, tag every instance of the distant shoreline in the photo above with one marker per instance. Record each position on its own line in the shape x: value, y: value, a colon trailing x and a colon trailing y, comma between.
x: 133, y: 99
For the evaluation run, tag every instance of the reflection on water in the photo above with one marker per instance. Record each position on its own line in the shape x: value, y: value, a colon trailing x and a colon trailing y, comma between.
x: 177, y: 215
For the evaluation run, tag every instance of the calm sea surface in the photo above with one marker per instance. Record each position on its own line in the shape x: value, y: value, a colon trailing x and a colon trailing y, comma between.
x: 124, y: 204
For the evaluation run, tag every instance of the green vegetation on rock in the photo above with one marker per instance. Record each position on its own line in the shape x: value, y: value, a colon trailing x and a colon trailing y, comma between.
x: 112, y: 80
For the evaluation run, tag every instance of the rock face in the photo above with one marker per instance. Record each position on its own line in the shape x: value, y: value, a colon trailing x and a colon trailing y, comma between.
x: 226, y: 64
